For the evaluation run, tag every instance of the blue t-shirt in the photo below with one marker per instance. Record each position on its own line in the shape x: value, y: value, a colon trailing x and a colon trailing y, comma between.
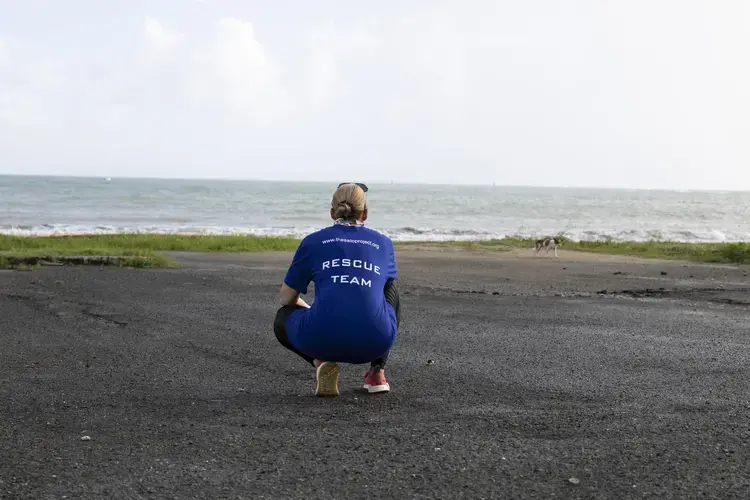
x: 350, y: 320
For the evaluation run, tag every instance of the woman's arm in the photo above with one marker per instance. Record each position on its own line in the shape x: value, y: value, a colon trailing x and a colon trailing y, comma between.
x: 392, y: 266
x: 289, y: 296
x: 298, y: 277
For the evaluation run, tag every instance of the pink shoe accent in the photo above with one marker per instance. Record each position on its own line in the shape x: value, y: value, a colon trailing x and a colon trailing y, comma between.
x: 375, y: 382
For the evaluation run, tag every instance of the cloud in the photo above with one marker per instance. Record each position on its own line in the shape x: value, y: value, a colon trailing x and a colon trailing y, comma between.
x: 171, y: 80
x: 234, y: 71
x: 171, y: 99
x: 159, y: 42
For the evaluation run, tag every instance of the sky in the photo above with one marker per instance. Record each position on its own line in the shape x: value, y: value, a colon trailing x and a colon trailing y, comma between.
x: 588, y: 93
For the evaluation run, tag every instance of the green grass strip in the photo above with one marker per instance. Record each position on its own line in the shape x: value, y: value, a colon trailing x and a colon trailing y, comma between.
x: 727, y: 253
x: 141, y: 249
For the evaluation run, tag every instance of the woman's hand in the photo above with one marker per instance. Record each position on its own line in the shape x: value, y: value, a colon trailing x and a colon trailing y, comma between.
x: 289, y: 296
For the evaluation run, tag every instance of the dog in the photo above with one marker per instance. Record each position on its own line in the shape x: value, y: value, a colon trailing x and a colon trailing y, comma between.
x: 548, y: 243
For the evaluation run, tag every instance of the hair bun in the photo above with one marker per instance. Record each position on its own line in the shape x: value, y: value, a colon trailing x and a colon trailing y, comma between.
x: 344, y: 210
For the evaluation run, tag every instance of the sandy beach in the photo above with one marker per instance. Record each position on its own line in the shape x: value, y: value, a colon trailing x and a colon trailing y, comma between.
x: 584, y: 376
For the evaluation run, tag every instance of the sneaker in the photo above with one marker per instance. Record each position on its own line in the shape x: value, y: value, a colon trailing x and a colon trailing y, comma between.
x: 327, y: 373
x: 375, y: 381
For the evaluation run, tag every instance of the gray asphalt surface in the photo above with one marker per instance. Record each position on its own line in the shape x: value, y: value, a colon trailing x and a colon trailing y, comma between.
x: 578, y: 377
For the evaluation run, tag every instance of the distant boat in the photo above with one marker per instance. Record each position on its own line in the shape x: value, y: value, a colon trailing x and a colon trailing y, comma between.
x: 108, y: 179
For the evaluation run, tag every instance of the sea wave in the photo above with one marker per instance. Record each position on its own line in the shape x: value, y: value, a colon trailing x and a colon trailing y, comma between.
x: 687, y: 235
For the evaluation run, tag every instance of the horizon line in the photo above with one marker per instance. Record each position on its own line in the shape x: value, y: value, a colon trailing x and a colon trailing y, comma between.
x: 374, y: 182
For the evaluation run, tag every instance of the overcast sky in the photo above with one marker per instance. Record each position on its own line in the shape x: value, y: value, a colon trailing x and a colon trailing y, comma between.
x: 617, y: 93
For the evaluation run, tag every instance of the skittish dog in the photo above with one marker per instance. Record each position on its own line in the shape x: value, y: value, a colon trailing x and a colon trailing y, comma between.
x: 548, y: 243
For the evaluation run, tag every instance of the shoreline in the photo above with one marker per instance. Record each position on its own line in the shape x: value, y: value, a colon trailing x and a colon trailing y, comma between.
x: 297, y: 238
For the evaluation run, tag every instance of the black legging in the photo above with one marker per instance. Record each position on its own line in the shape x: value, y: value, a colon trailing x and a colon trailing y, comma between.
x: 279, y: 324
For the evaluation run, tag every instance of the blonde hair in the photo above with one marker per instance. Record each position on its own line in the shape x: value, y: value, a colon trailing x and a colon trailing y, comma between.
x: 348, y: 202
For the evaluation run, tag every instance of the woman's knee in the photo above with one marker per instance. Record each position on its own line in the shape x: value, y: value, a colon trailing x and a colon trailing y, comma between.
x: 279, y: 323
x: 392, y: 297
x: 391, y: 291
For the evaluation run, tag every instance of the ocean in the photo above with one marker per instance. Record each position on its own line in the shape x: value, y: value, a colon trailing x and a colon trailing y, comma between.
x: 57, y: 205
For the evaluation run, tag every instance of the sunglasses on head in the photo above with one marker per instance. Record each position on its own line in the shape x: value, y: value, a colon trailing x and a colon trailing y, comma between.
x: 363, y: 186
